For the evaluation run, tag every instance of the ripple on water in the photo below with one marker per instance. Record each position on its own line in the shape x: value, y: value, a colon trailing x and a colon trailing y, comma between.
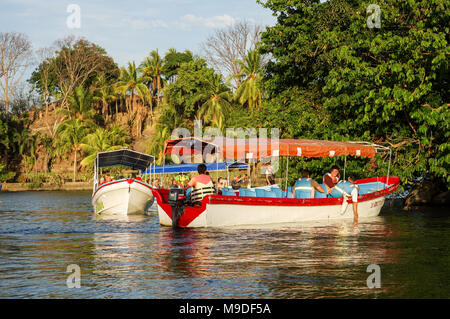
x: 41, y: 233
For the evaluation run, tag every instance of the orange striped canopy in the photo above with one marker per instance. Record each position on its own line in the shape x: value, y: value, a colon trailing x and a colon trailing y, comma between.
x: 256, y: 148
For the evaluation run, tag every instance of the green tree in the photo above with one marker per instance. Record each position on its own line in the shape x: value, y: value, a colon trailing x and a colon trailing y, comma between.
x: 250, y: 91
x: 387, y: 85
x: 216, y: 103
x: 104, y: 93
x: 132, y: 82
x: 152, y: 68
x: 80, y: 107
x: 103, y: 140
x: 70, y: 136
x: 173, y: 61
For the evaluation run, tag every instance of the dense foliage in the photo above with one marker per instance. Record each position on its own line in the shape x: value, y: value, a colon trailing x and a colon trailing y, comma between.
x: 332, y: 73
x: 333, y: 77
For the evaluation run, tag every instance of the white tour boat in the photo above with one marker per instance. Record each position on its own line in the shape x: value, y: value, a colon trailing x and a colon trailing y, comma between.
x: 124, y: 196
x: 245, y: 207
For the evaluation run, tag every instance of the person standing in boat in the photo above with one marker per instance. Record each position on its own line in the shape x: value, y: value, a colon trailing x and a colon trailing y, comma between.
x: 332, y: 178
x: 305, y: 186
x: 201, y: 184
x: 270, y: 176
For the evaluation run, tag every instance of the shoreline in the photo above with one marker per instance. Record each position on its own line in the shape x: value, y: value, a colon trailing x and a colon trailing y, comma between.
x: 69, y: 186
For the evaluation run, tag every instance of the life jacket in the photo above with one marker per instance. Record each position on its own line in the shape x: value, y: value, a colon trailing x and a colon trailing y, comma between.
x: 318, y: 194
x: 343, y: 187
x: 303, y: 188
x: 201, y: 190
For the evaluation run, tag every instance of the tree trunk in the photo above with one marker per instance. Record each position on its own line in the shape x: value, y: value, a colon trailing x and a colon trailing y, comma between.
x: 75, y: 167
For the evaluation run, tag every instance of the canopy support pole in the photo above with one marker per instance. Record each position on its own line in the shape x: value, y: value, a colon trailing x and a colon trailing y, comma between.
x: 162, y: 178
x: 389, y: 168
x: 345, y: 165
x: 217, y: 167
x: 287, y: 169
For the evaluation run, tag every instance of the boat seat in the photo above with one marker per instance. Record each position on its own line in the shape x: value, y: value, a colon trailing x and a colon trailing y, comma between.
x: 277, y: 191
x: 271, y: 194
x: 300, y: 194
x: 260, y: 192
x: 246, y: 192
x: 228, y: 193
x: 367, y: 188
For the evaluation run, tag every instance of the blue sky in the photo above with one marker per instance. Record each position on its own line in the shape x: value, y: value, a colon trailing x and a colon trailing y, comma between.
x: 129, y: 30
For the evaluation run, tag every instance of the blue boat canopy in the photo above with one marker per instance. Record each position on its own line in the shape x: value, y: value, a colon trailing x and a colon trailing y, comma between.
x: 186, y: 168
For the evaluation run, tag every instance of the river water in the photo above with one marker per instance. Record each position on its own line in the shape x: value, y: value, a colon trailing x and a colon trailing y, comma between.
x: 42, y: 233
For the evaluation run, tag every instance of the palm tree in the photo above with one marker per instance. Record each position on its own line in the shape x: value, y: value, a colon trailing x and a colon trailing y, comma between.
x: 217, y: 103
x: 249, y: 91
x: 153, y: 68
x: 130, y: 81
x: 80, y: 106
x: 103, y: 140
x: 70, y: 135
x: 104, y: 94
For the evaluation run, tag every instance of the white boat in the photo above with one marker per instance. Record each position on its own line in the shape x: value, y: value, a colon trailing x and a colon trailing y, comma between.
x: 125, y: 196
x: 238, y: 208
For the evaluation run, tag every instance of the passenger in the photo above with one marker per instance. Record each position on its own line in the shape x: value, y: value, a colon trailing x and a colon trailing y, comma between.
x: 223, y: 183
x: 174, y: 184
x: 182, y: 179
x: 202, y: 185
x: 305, y: 186
x: 156, y: 184
x: 270, y: 176
x: 237, y: 181
x: 332, y: 178
x: 108, y: 179
x: 347, y: 189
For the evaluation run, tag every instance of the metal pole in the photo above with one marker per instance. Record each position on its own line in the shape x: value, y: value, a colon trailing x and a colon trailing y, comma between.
x: 217, y: 167
x: 287, y: 169
x: 162, y: 178
x: 389, y: 168
x: 345, y: 164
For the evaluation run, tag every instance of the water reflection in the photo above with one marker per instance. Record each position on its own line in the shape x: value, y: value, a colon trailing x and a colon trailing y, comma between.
x: 136, y: 258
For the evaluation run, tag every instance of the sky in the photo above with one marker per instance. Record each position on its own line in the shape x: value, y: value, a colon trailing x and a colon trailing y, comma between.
x: 128, y: 30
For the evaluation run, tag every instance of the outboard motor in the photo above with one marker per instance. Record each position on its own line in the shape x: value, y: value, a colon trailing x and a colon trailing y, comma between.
x: 177, y: 201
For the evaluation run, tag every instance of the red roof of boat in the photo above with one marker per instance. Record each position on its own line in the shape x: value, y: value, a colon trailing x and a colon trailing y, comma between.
x: 256, y: 148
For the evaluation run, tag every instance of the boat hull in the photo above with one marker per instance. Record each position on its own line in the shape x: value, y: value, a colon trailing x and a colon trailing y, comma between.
x: 123, y: 197
x: 222, y: 211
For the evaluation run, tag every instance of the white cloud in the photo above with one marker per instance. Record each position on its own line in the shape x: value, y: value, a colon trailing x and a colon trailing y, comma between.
x: 189, y: 20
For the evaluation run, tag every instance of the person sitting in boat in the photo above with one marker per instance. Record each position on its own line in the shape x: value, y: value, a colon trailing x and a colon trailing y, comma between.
x: 237, y: 181
x: 108, y: 179
x: 182, y: 179
x: 156, y: 184
x: 222, y: 184
x: 201, y: 184
x: 174, y: 184
x: 305, y: 186
x: 332, y: 178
